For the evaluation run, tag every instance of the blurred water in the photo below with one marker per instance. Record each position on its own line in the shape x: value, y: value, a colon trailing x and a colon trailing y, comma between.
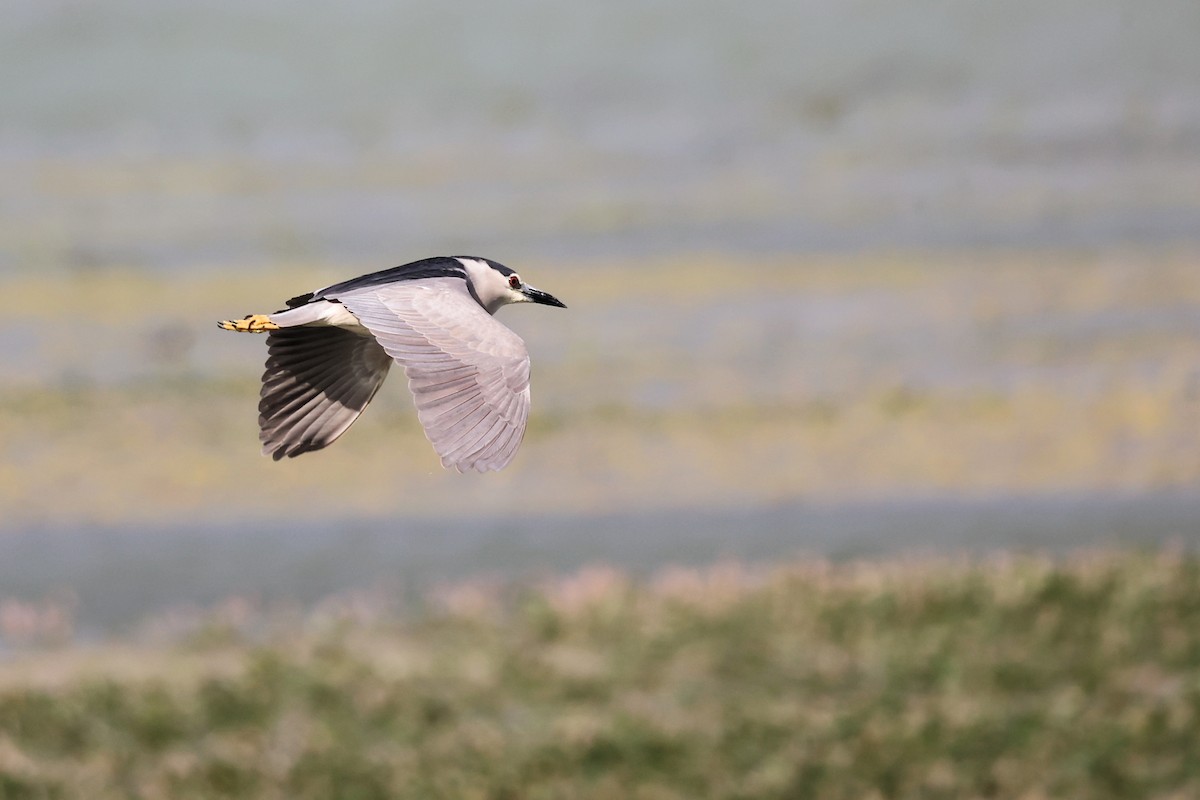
x: 123, y: 575
x: 174, y: 134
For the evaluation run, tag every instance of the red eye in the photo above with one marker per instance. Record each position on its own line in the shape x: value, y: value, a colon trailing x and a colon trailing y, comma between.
x: 514, y: 281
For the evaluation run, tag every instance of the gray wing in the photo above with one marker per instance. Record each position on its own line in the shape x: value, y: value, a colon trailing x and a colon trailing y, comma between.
x: 468, y: 373
x: 317, y: 381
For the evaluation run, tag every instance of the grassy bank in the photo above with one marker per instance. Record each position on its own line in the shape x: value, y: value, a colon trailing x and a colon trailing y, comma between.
x: 1016, y: 677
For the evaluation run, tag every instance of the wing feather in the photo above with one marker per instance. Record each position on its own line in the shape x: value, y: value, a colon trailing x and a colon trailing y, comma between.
x: 310, y: 427
x: 450, y: 425
x: 485, y: 442
x: 317, y: 381
x: 468, y: 373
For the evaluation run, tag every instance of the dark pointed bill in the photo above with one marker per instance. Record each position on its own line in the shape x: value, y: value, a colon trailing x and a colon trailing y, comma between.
x: 539, y: 296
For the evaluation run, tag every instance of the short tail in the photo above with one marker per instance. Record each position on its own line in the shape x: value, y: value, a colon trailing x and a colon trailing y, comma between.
x: 251, y: 323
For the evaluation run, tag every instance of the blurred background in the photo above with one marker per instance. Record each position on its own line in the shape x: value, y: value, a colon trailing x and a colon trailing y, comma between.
x: 844, y: 278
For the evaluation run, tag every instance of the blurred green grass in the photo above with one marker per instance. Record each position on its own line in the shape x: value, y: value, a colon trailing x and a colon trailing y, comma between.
x: 1008, y: 677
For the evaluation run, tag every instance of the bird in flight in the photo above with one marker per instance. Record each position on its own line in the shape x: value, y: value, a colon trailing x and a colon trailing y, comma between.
x: 329, y: 351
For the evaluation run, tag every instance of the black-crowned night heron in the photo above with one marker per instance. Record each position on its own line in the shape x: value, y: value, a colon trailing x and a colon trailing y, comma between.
x: 329, y: 351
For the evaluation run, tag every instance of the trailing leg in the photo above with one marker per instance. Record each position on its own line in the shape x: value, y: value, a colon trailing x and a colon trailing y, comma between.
x: 251, y: 323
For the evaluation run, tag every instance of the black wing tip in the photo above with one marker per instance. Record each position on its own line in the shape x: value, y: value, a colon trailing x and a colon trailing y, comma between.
x: 286, y: 450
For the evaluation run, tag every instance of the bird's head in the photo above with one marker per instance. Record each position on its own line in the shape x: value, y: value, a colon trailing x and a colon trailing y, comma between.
x: 495, y: 285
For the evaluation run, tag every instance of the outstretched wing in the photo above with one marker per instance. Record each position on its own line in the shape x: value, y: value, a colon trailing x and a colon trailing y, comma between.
x: 468, y: 373
x: 317, y: 381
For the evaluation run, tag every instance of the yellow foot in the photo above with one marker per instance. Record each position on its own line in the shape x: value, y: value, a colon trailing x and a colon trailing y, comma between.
x: 252, y: 323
